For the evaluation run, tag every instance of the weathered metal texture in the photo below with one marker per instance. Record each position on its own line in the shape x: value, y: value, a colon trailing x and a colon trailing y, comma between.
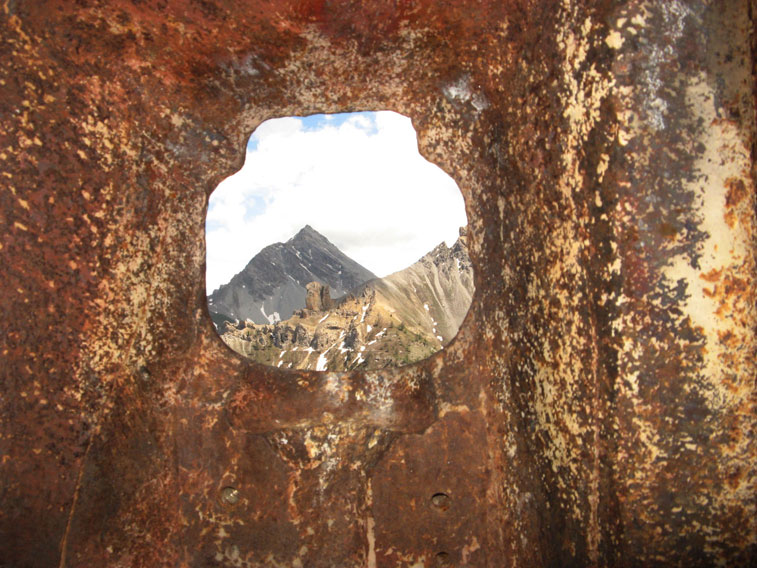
x: 598, y: 404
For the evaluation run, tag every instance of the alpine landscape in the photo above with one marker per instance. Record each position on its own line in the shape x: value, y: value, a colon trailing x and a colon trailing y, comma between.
x: 304, y: 304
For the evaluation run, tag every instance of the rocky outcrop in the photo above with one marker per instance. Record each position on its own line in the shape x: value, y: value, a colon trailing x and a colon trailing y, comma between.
x: 359, y: 333
x: 318, y: 297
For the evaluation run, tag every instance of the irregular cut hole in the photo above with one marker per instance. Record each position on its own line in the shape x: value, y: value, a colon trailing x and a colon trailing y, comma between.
x: 230, y: 495
x: 337, y: 247
x: 442, y: 559
x: 441, y: 501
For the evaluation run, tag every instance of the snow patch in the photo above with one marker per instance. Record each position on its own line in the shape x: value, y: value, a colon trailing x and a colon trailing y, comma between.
x: 323, y: 318
x: 273, y: 318
x: 321, y: 363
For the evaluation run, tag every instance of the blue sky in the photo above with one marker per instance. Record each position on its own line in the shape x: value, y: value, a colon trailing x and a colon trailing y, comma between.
x: 317, y: 122
x: 357, y: 178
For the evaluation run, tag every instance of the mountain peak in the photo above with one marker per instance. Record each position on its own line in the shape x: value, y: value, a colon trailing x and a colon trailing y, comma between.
x: 307, y: 233
x: 273, y: 282
x: 307, y: 230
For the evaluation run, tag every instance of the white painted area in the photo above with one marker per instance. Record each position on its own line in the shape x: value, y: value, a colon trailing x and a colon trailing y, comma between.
x: 725, y: 247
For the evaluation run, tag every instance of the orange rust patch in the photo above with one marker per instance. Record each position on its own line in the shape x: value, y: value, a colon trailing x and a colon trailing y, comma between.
x: 712, y: 276
x: 736, y: 192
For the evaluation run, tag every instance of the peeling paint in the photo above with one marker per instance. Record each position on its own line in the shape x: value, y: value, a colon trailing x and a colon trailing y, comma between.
x: 598, y: 404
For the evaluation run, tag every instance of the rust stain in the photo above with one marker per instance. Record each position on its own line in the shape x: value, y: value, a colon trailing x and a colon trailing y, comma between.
x: 598, y: 404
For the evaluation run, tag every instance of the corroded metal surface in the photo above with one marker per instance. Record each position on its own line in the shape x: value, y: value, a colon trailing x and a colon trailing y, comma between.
x: 598, y: 404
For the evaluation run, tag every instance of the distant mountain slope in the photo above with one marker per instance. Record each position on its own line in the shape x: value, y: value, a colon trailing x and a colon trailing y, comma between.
x: 393, y: 321
x: 432, y: 294
x: 272, y: 285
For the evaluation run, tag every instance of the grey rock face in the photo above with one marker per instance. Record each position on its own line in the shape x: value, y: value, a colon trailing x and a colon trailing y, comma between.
x: 272, y: 285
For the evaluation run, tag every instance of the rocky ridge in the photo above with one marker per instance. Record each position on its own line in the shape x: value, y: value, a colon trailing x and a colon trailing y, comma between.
x: 385, y: 322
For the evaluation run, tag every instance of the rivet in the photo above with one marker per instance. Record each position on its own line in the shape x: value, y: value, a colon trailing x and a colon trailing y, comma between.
x: 441, y: 559
x: 441, y: 501
x: 230, y: 495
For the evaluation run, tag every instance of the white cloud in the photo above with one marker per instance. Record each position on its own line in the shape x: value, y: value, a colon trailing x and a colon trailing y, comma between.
x: 360, y: 182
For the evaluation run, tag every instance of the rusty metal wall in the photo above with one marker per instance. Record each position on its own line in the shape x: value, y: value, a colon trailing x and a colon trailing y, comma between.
x: 598, y: 405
